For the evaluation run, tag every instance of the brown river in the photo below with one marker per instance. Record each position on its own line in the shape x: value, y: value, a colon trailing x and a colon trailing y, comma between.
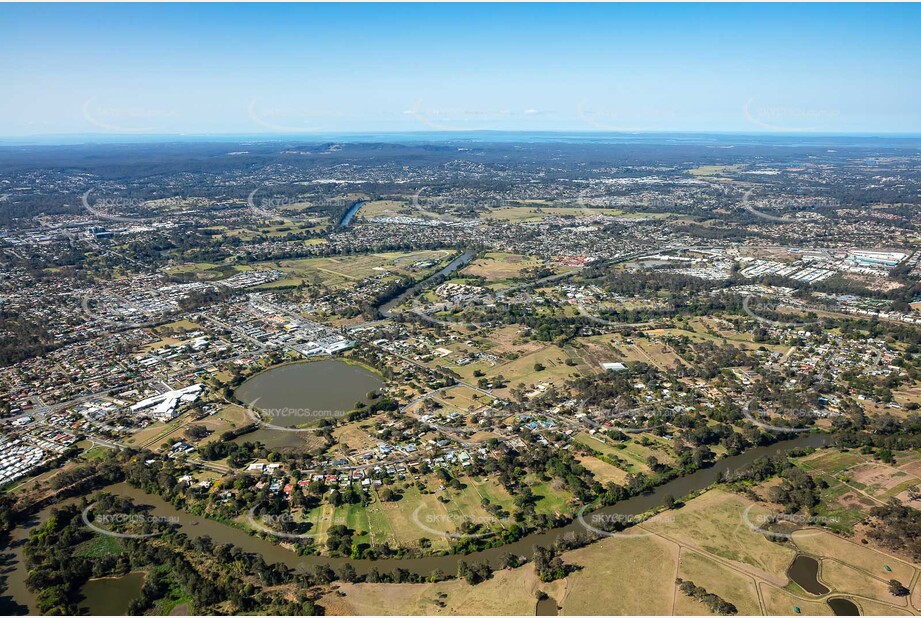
x: 18, y: 600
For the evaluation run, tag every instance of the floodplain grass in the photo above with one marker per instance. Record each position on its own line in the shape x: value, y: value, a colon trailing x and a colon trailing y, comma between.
x: 620, y: 575
x: 177, y: 605
x: 640, y: 454
x: 395, y: 521
x: 871, y: 561
x: 325, y: 516
x: 285, y: 441
x: 631, y: 574
x: 95, y: 453
x: 507, y: 593
x: 837, y: 575
x: 493, y: 491
x: 875, y: 608
x: 711, y: 524
x: 152, y: 432
x: 354, y: 437
x: 737, y: 588
x: 780, y: 602
x: 714, y: 523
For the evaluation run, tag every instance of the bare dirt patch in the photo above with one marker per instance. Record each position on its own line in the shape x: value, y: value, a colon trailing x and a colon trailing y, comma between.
x: 882, y: 481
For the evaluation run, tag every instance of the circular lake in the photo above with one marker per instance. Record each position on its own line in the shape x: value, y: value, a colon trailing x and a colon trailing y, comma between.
x: 303, y: 393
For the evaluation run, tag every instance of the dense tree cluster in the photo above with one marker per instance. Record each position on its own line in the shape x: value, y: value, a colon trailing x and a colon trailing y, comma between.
x: 549, y: 566
x: 713, y: 602
x: 896, y: 527
x: 798, y: 491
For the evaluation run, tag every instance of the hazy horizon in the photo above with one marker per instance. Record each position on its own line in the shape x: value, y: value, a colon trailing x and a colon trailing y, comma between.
x: 497, y: 136
x: 313, y: 70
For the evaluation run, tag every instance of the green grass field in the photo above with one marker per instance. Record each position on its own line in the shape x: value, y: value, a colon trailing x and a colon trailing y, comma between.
x: 632, y: 463
x: 100, y: 546
x: 415, y: 515
x: 344, y: 271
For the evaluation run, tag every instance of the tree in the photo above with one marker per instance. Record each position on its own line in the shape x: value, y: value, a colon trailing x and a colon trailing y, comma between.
x: 897, y: 589
x: 196, y: 432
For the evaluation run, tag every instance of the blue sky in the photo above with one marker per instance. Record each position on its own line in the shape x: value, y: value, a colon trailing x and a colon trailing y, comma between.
x: 302, y: 69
